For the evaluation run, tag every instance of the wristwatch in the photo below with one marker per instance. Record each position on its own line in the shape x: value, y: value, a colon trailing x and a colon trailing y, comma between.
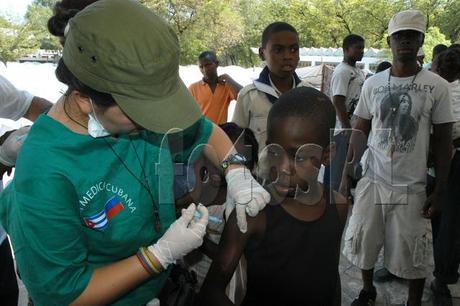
x: 234, y: 159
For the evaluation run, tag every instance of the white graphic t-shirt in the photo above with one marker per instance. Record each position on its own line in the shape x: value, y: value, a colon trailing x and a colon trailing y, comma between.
x: 347, y: 81
x: 402, y: 115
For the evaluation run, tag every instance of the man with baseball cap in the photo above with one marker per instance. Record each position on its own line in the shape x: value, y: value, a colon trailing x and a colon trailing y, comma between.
x: 396, y: 111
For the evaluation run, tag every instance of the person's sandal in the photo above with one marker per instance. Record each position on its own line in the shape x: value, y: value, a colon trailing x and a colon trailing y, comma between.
x: 365, y: 298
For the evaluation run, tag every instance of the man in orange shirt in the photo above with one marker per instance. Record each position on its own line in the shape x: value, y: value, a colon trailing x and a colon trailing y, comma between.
x: 213, y: 93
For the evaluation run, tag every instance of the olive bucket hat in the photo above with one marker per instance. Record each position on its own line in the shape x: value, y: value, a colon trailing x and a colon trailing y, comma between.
x: 122, y: 48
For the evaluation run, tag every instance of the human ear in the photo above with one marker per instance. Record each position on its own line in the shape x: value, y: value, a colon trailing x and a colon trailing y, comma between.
x: 388, y: 41
x: 82, y: 101
x: 261, y: 54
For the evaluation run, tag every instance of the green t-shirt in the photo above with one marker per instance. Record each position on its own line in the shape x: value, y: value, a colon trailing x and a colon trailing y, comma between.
x: 74, y: 206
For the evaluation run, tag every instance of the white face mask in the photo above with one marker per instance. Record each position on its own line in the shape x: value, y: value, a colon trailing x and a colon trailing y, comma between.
x: 95, y: 128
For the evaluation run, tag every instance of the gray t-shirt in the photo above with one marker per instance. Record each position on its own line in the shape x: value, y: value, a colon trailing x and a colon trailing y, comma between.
x: 347, y: 81
x: 401, y: 122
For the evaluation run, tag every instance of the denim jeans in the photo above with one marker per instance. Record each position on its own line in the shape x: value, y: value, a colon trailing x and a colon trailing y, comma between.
x: 333, y: 172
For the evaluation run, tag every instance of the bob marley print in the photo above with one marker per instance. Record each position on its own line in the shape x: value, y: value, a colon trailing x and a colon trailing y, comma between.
x: 400, y: 127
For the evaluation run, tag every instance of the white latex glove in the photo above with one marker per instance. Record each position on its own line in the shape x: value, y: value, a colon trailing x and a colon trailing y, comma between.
x: 246, y: 194
x: 183, y: 236
x: 10, y: 147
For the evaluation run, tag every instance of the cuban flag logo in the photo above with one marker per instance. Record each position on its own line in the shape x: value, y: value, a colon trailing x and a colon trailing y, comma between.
x: 100, y: 220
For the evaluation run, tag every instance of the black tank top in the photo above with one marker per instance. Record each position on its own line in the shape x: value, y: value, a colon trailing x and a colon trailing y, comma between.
x: 296, y: 262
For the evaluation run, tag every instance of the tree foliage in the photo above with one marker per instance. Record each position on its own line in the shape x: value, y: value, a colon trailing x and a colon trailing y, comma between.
x: 232, y: 27
x: 432, y: 38
x: 37, y: 17
x: 449, y: 21
x: 45, y: 3
x: 15, y: 41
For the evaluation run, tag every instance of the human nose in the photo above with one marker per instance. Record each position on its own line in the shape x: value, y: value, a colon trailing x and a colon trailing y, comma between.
x: 287, y: 165
x: 288, y: 54
x: 405, y: 41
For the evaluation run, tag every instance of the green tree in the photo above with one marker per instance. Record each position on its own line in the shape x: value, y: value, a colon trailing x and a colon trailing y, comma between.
x: 200, y: 25
x: 45, y: 3
x: 433, y: 9
x: 253, y: 18
x: 449, y: 20
x: 15, y: 41
x: 37, y: 16
x: 233, y: 27
x: 433, y: 37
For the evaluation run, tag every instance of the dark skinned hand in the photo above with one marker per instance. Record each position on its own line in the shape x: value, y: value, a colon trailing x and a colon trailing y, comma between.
x: 432, y: 206
x: 5, y: 169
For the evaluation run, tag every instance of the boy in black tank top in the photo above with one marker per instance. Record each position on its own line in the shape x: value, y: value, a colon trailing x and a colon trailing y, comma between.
x: 292, y: 246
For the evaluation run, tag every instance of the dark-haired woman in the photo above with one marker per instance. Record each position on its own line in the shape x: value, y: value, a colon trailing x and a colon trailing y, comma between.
x: 90, y: 211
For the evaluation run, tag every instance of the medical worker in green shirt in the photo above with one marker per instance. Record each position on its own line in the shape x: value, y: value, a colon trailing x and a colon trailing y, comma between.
x: 90, y: 211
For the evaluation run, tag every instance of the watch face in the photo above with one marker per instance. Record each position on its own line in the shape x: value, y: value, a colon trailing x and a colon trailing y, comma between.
x: 234, y: 159
x: 239, y: 158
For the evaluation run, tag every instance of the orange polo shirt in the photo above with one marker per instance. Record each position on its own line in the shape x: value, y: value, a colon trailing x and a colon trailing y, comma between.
x: 214, y: 106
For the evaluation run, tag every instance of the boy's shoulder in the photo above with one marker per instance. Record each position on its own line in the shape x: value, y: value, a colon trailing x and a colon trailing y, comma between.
x: 255, y: 225
x: 260, y: 87
x: 247, y: 89
x: 253, y: 93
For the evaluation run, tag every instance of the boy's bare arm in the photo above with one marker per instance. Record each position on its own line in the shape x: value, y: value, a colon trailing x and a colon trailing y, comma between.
x: 209, y: 248
x: 342, y: 208
x: 358, y: 141
x: 231, y: 247
x: 341, y: 110
x: 37, y: 107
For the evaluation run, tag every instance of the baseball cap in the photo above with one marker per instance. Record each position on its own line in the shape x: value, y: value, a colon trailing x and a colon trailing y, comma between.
x: 407, y: 20
x: 122, y: 48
